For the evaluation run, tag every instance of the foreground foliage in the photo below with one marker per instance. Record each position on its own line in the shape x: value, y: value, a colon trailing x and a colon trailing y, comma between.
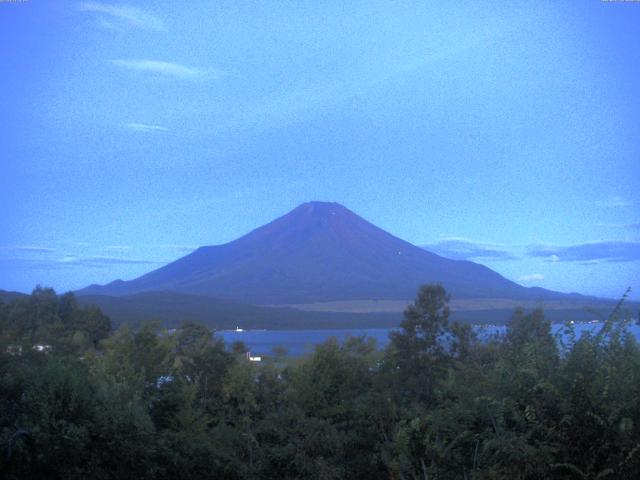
x: 436, y: 404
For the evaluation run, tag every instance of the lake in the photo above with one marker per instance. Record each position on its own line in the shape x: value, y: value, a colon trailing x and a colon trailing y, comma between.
x: 299, y: 342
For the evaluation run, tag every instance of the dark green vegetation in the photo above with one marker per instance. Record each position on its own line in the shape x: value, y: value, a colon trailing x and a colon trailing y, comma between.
x: 436, y: 404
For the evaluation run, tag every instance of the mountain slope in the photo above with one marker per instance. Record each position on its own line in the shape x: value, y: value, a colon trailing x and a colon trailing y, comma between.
x: 318, y: 252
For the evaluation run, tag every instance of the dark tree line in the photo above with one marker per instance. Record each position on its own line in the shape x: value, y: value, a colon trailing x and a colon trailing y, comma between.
x: 436, y: 404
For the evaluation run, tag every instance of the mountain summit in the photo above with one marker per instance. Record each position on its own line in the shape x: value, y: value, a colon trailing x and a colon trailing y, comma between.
x: 318, y: 252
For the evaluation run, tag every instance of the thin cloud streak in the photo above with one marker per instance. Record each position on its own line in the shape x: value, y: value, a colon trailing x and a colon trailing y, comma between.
x: 607, y: 250
x: 613, y: 201
x: 143, y: 127
x: 76, y: 262
x: 531, y: 278
x: 124, y: 14
x: 105, y: 261
x: 169, y: 69
x: 180, y: 248
x: 623, y: 226
x: 29, y: 248
x: 459, y: 248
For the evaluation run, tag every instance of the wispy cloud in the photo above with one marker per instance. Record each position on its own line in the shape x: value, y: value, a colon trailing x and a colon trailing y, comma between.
x: 29, y: 248
x: 105, y: 261
x: 607, y: 250
x: 170, y: 69
x: 459, y: 248
x: 534, y: 277
x: 118, y: 248
x: 179, y: 248
x: 144, y: 127
x: 124, y: 15
x: 613, y: 201
x: 623, y: 226
x: 50, y: 262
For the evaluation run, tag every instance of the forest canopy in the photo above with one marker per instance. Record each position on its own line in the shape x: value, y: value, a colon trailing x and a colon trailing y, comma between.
x: 79, y: 400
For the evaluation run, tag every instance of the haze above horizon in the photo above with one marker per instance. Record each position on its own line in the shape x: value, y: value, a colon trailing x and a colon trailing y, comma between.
x: 507, y: 134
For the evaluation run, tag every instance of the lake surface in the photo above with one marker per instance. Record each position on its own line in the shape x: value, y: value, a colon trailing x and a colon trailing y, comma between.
x: 300, y: 342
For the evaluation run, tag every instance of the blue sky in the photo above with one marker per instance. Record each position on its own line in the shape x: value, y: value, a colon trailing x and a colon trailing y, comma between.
x: 507, y: 133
